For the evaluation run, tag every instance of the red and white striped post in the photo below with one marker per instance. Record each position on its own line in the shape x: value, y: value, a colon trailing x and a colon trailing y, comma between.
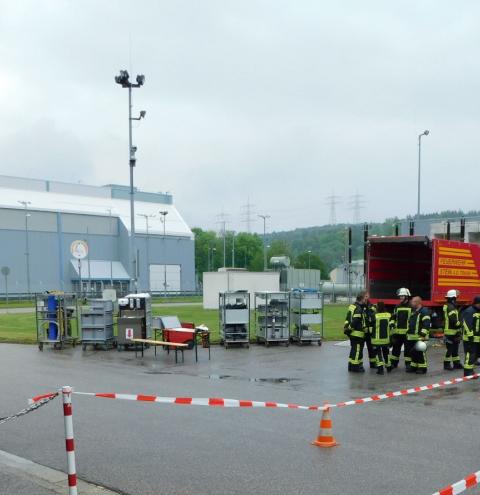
x: 69, y: 443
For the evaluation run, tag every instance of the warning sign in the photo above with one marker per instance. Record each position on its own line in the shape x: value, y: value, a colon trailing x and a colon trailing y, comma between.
x: 128, y: 333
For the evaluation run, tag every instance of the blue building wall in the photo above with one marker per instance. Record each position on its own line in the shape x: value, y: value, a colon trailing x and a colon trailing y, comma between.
x: 50, y: 259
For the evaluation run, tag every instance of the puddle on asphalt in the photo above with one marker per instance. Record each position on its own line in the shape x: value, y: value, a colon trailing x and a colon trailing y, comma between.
x: 227, y: 377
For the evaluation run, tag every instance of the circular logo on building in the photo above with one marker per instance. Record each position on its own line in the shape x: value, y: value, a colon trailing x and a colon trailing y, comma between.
x: 79, y: 249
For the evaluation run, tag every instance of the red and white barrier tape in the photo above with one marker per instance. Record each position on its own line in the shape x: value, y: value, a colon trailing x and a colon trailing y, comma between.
x: 192, y: 401
x: 460, y: 486
x: 408, y: 391
x: 221, y: 402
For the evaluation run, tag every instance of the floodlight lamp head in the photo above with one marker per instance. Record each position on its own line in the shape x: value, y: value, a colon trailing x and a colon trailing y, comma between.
x: 140, y: 79
x: 122, y: 78
x: 143, y: 113
x: 426, y: 132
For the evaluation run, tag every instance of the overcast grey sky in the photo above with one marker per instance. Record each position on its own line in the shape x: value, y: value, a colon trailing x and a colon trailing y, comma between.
x: 281, y: 101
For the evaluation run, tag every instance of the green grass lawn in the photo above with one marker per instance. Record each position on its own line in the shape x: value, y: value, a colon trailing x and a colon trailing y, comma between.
x: 183, y: 299
x: 20, y: 328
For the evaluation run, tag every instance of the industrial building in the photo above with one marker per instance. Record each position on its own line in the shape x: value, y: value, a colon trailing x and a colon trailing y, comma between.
x: 39, y: 220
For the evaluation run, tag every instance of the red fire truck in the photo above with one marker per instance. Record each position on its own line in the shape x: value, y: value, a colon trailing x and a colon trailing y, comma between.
x: 428, y: 267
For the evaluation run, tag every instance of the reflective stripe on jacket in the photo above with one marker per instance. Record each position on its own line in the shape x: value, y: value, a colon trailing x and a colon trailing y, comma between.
x: 471, y: 324
x: 419, y: 324
x: 400, y: 317
x: 381, y: 329
x: 451, y: 325
x: 356, y: 320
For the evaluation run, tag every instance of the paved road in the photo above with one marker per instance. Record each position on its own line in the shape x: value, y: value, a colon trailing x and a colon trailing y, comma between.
x: 4, y: 310
x: 408, y: 445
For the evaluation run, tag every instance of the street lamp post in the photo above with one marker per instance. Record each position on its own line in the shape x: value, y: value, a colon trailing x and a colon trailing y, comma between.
x: 164, y: 220
x: 424, y: 133
x: 264, y: 241
x: 123, y: 80
x: 27, y: 247
x: 212, y: 251
x: 147, y: 247
x: 111, y: 255
x: 309, y: 254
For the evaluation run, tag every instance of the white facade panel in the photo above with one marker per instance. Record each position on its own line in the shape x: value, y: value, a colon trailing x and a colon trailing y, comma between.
x: 173, y: 274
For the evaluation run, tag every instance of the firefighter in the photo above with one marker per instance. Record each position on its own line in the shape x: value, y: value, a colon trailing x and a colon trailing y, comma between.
x: 419, y: 325
x: 371, y: 310
x: 381, y: 338
x: 471, y: 335
x: 452, y: 330
x: 356, y: 326
x: 399, y: 327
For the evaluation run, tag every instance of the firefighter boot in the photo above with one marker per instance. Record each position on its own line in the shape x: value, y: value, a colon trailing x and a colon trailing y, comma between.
x: 447, y: 366
x: 380, y: 370
x: 457, y: 365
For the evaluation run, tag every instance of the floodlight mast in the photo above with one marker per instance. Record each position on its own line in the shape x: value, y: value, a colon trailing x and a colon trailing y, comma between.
x: 123, y: 80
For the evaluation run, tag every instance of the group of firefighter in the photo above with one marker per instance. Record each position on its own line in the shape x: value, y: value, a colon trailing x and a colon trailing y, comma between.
x: 408, y: 326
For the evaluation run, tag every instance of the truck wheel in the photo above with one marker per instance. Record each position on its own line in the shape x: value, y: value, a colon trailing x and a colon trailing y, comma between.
x: 84, y: 347
x: 40, y: 346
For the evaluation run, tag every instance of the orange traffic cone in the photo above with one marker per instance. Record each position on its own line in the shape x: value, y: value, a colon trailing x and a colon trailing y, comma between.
x: 325, y: 437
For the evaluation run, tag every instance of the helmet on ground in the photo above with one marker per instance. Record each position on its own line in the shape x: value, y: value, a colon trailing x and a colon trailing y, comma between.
x: 452, y: 293
x: 403, y: 292
x: 420, y: 346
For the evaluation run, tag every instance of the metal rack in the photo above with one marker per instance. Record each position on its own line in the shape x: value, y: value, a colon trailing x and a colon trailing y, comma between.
x: 306, y: 315
x: 234, y: 317
x: 272, y: 317
x: 56, y: 318
x: 96, y: 323
x: 134, y: 319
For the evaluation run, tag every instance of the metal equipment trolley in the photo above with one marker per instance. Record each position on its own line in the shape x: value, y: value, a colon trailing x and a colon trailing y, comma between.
x: 56, y: 317
x: 272, y: 317
x: 96, y: 323
x: 234, y: 317
x: 134, y: 319
x: 306, y: 315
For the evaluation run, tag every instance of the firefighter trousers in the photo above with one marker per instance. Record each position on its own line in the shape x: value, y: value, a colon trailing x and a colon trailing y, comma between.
x: 399, y: 340
x: 452, y: 343
x: 372, y: 354
x: 382, y: 353
x: 407, y: 351
x: 470, y: 349
x: 419, y: 359
x: 355, y: 359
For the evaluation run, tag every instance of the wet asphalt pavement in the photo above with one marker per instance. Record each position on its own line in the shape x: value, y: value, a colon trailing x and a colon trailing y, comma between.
x: 408, y: 445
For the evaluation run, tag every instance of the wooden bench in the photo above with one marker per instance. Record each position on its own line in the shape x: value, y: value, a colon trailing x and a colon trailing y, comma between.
x: 176, y: 347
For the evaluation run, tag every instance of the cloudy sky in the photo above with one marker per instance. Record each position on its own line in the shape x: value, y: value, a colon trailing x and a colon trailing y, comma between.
x: 280, y: 103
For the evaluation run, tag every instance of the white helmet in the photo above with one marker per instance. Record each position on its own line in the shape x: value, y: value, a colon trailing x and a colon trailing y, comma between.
x: 452, y: 293
x: 420, y: 346
x: 403, y: 292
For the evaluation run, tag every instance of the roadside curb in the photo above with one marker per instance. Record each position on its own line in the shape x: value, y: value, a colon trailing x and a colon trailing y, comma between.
x: 46, y: 477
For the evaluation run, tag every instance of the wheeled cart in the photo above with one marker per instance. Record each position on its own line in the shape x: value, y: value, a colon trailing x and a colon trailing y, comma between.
x: 134, y: 320
x: 234, y: 317
x: 96, y: 323
x: 306, y: 315
x: 56, y: 317
x: 272, y: 318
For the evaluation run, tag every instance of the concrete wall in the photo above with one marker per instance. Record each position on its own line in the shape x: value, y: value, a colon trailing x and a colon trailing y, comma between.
x: 215, y: 282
